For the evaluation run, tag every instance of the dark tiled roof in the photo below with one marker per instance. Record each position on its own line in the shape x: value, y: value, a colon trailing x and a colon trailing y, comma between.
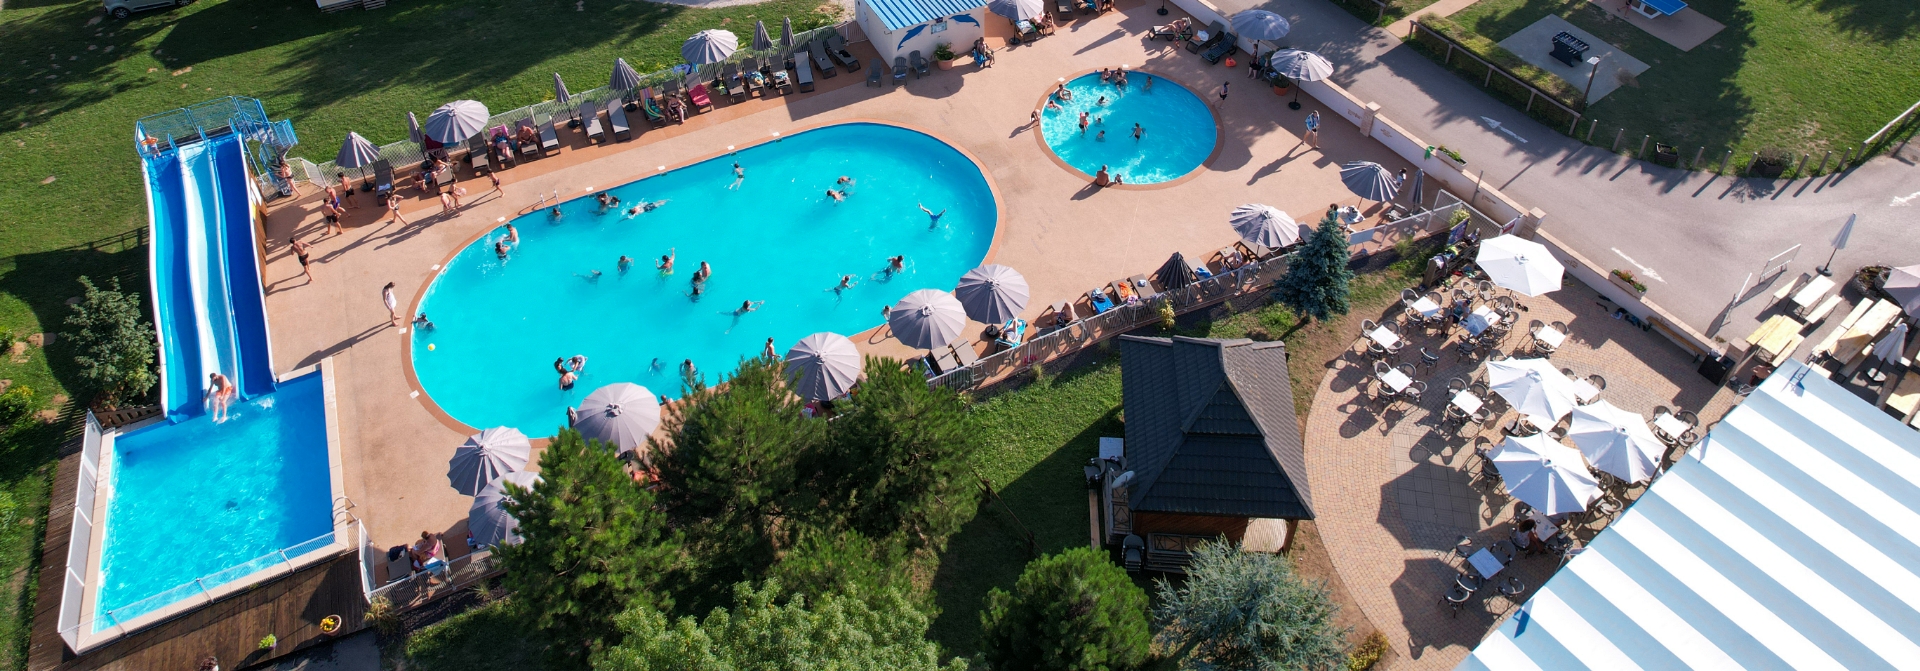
x: 1210, y: 428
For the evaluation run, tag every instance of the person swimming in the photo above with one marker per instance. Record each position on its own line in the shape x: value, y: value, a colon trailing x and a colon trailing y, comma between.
x: 704, y: 273
x: 846, y: 185
x: 513, y: 235
x: 593, y: 277
x: 1101, y: 101
x: 1102, y: 137
x: 555, y: 212
x: 748, y: 306
x: 500, y: 249
x: 625, y: 263
x: 933, y: 218
x: 739, y: 175
x: 666, y: 262
x: 836, y: 196
x: 897, y: 263
x: 421, y: 322
x: 846, y: 282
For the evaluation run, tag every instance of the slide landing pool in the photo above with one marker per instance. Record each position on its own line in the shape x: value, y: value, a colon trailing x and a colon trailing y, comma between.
x: 498, y: 325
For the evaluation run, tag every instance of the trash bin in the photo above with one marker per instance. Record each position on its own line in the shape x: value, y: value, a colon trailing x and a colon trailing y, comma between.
x: 1569, y: 49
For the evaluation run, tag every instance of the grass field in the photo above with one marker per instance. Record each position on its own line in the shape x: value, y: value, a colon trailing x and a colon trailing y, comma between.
x: 74, y: 82
x: 1798, y: 75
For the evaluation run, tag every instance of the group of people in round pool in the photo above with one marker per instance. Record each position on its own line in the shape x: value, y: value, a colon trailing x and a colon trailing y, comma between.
x: 1118, y: 78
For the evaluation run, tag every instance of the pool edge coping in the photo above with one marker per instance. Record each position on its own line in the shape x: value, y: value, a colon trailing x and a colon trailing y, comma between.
x: 419, y: 391
x: 89, y: 639
x: 1206, y: 164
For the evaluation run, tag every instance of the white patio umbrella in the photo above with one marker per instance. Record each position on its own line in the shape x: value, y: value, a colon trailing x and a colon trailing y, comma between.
x: 356, y: 152
x: 1616, y: 441
x: 823, y: 366
x: 709, y: 46
x: 1519, y: 264
x: 1894, y: 345
x: 1547, y: 475
x: 488, y: 519
x: 1259, y: 24
x: 624, y: 77
x: 1369, y: 180
x: 1264, y: 224
x: 1533, y: 387
x: 456, y: 121
x: 1017, y: 10
x: 488, y: 455
x: 621, y: 414
x: 1903, y: 286
x: 927, y: 318
x: 1299, y: 66
x: 992, y: 293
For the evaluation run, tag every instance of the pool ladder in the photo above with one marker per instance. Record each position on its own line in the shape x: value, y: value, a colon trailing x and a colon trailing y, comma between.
x: 343, y: 506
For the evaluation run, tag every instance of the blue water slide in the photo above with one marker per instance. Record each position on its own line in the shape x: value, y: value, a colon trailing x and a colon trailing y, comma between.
x: 244, y: 290
x: 173, y: 303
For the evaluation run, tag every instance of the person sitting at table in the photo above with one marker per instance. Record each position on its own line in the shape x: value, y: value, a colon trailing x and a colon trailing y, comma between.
x: 1458, y: 311
x: 1527, y: 538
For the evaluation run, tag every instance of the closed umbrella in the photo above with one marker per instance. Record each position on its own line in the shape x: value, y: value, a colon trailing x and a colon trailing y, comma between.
x: 1018, y: 10
x: 823, y: 366
x: 927, y: 318
x: 413, y: 129
x: 992, y: 293
x: 1903, y: 286
x: 1533, y: 387
x: 1368, y: 180
x: 488, y: 455
x: 1265, y: 225
x: 1616, y: 441
x: 560, y: 95
x: 761, y: 42
x: 1891, y: 347
x: 1519, y: 264
x: 624, y: 77
x: 1259, y: 24
x: 456, y: 121
x: 786, y: 32
x: 709, y: 46
x: 1299, y: 66
x: 1416, y: 197
x: 1175, y: 273
x: 621, y: 415
x: 1545, y: 474
x: 356, y: 152
x: 488, y: 519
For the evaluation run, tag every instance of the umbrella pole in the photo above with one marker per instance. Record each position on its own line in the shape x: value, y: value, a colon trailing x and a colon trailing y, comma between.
x: 1296, y: 97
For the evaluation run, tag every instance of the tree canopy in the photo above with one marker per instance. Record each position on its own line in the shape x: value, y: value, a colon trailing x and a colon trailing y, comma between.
x: 1317, y: 275
x: 594, y: 546
x: 1073, y: 610
x: 113, y: 341
x: 1248, y: 610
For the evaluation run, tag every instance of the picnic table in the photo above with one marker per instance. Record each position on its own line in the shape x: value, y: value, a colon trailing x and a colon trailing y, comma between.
x: 1811, y: 294
x: 1385, y: 337
x: 1858, y: 339
x: 1776, y: 339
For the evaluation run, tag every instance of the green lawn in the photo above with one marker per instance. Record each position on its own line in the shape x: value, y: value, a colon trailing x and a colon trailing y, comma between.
x: 73, y: 84
x: 1798, y: 75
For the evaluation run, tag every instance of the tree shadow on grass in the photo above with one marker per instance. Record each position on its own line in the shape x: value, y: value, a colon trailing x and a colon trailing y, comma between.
x: 45, y: 280
x: 66, y: 58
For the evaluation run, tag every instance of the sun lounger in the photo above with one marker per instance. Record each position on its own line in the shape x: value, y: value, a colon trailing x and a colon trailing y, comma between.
x: 803, y: 74
x: 874, y: 74
x: 821, y: 60
x: 756, y: 82
x: 899, y: 70
x: 1255, y: 250
x: 1214, y: 33
x: 783, y: 82
x: 919, y: 63
x: 1098, y: 299
x: 525, y: 148
x: 549, y: 140
x: 477, y: 154
x: 1227, y: 46
x: 964, y: 354
x: 736, y: 88
x: 1059, y: 315
x: 617, y: 120
x: 590, y: 122
x: 1064, y: 8
x: 382, y: 177
x: 673, y: 89
x: 1012, y: 333
x: 699, y: 96
x: 837, y: 46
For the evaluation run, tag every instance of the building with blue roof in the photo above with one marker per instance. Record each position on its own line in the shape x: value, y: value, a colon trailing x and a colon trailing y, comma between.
x: 900, y: 27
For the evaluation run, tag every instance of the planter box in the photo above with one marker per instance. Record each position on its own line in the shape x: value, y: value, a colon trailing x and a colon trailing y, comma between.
x: 948, y: 65
x: 1450, y: 161
x: 1282, y: 90
x: 1631, y: 291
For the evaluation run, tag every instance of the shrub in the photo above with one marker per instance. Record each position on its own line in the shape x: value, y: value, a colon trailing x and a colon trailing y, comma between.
x: 1249, y: 610
x: 384, y: 617
x: 115, y: 344
x: 943, y: 52
x: 16, y: 405
x: 1368, y: 653
x: 854, y: 632
x: 1072, y: 610
x: 1167, y: 315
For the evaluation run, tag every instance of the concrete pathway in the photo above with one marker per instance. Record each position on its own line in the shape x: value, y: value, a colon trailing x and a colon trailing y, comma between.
x: 1693, y: 235
x: 1441, y: 8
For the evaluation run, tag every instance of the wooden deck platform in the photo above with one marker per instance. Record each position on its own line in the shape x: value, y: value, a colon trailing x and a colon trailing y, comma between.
x: 289, y: 608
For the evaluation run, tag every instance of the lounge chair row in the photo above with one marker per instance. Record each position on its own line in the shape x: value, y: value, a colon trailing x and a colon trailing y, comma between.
x: 912, y: 62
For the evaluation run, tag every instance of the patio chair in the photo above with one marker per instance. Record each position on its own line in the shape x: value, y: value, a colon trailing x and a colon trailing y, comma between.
x: 919, y: 63
x: 1461, y: 550
x: 781, y: 83
x: 590, y: 122
x: 382, y: 177
x: 477, y: 154
x: 1228, y: 46
x: 1381, y: 368
x: 1429, y: 359
x: 837, y: 47
x: 899, y: 70
x: 1455, y: 599
x: 1214, y: 31
x: 1064, y: 8
x: 1408, y: 296
x: 1415, y: 391
x: 549, y: 138
x: 1455, y: 386
x: 617, y: 120
x: 756, y: 82
x: 699, y: 96
x: 803, y: 74
x: 874, y: 75
x: 1467, y: 349
x: 821, y: 60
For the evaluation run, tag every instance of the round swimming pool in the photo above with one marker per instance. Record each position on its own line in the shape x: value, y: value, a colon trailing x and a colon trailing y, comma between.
x: 1177, y: 135
x: 773, y: 236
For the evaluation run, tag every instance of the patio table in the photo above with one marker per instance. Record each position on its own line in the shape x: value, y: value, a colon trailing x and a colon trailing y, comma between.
x: 1772, y: 337
x: 1584, y: 390
x: 1484, y: 563
x: 1467, y: 402
x: 1669, y: 425
x: 1396, y: 380
x: 1542, y: 527
x: 1816, y: 289
x: 1550, y: 336
x: 1386, y: 338
x: 1426, y: 307
x: 1481, y: 318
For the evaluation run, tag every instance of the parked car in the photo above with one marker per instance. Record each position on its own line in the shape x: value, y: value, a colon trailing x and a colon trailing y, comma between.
x: 121, y: 9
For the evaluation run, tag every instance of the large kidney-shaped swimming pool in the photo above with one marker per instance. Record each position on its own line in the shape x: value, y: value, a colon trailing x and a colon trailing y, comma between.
x: 773, y: 236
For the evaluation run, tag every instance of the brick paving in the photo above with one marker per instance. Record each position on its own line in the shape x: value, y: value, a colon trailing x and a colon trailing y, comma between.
x: 1394, y: 490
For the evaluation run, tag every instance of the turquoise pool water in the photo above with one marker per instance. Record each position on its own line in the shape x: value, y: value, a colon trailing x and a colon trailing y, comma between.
x: 1179, y: 132
x: 776, y: 238
x: 198, y: 500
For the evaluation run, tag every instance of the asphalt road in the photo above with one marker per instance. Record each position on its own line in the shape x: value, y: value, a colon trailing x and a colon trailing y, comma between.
x: 1692, y: 237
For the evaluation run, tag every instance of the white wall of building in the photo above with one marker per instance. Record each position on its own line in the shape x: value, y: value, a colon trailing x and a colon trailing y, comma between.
x: 959, y: 32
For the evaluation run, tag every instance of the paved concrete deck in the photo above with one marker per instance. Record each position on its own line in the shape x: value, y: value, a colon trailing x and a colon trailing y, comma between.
x: 1061, y: 233
x: 1534, y: 44
x: 1395, y: 490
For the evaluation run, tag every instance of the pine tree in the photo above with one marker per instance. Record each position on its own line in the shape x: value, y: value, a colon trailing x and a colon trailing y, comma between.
x: 1249, y: 610
x: 594, y: 547
x: 1317, y: 276
x: 1073, y: 610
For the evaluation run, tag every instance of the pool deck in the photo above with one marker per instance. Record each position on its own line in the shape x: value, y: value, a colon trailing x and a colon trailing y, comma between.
x: 1057, y: 230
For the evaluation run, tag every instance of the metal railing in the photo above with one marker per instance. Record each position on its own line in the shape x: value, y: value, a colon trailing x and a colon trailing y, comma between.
x: 419, y: 587
x: 409, y: 153
x: 1534, y: 93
